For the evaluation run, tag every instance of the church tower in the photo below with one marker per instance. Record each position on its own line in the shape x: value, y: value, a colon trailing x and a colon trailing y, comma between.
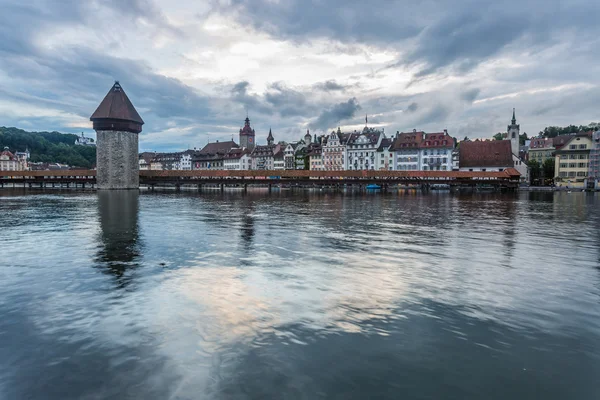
x: 270, y: 139
x: 513, y: 135
x: 247, y: 135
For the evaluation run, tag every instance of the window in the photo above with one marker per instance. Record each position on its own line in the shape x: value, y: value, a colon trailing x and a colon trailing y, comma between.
x: 572, y: 157
x: 571, y: 174
x: 582, y: 146
x: 563, y: 174
x: 581, y: 173
x: 572, y: 147
x: 583, y: 156
x: 444, y: 160
x: 581, y: 165
x: 572, y: 165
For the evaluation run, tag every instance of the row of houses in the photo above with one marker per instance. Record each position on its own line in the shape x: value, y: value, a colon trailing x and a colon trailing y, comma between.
x: 368, y: 149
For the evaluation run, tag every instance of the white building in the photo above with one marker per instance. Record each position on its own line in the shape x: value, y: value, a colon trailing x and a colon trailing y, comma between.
x: 237, y: 159
x: 279, y: 158
x: 406, y: 151
x: 384, y: 159
x: 185, y: 161
x: 84, y: 141
x: 435, y: 152
x: 361, y: 148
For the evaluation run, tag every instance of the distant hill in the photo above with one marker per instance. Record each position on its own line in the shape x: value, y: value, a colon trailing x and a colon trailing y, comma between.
x: 53, y: 147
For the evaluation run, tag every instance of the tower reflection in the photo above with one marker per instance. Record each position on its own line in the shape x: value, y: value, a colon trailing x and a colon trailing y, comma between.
x: 119, y: 236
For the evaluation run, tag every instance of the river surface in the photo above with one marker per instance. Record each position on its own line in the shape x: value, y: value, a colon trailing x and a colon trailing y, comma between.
x: 304, y: 295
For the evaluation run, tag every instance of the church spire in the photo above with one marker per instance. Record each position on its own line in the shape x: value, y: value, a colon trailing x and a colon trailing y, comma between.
x: 270, y: 138
x: 514, y: 120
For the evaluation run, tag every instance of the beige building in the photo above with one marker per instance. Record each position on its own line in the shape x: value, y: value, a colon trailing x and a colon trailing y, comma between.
x: 572, y: 162
x: 10, y: 162
x: 541, y: 149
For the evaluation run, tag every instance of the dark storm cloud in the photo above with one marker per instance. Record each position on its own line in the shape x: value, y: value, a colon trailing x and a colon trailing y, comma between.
x: 339, y: 112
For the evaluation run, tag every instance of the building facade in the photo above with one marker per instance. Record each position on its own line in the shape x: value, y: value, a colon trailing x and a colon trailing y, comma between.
x: 315, y: 157
x: 594, y: 174
x: 435, y: 152
x: 237, y: 159
x: 334, y: 151
x: 572, y: 162
x: 406, y: 151
x: 541, y: 149
x: 384, y: 156
x: 212, y: 155
x: 361, y: 149
x: 9, y: 162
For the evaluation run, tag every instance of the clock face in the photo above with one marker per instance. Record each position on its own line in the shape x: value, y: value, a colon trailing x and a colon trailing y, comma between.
x: 250, y: 139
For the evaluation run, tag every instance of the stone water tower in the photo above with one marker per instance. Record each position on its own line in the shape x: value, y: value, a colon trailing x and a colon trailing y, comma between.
x: 117, y: 125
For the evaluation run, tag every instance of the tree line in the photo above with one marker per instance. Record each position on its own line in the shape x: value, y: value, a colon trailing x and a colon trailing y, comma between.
x: 50, y: 147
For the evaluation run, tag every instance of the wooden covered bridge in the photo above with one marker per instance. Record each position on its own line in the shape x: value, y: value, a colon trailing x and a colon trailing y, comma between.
x: 507, y: 179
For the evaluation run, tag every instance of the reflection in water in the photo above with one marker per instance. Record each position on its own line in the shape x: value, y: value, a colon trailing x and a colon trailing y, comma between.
x: 119, y: 238
x: 300, y: 295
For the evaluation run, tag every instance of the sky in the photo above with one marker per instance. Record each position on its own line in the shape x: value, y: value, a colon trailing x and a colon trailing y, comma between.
x: 194, y: 69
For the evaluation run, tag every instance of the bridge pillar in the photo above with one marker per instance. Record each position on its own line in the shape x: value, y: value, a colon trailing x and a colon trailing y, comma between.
x: 270, y: 188
x: 117, y: 125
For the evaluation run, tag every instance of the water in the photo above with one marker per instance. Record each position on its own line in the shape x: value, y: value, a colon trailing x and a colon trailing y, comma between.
x: 299, y: 296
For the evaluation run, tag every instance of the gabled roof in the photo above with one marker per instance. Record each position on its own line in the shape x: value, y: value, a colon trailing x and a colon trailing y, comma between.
x: 407, y: 140
x: 385, y: 143
x: 116, y: 106
x: 436, y: 140
x: 218, y: 147
x: 485, y: 153
x: 8, y: 154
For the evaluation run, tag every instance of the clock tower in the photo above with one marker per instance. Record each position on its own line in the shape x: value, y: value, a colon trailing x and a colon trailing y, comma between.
x: 513, y: 134
x: 247, y: 135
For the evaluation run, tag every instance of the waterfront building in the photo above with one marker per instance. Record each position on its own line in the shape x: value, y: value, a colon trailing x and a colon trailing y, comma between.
x: 166, y: 161
x: 455, y: 159
x: 212, y: 155
x: 490, y: 155
x: 289, y: 156
x: 301, y: 156
x: 262, y: 157
x: 145, y: 159
x: 361, y: 148
x: 9, y: 162
x: 594, y: 174
x: 541, y: 149
x: 237, y: 159
x: 278, y: 157
x: 247, y: 135
x: 571, y: 165
x: 84, y: 141
x: 315, y: 156
x: 406, y: 151
x: 334, y: 151
x: 435, y: 152
x: 384, y: 159
x: 185, y: 160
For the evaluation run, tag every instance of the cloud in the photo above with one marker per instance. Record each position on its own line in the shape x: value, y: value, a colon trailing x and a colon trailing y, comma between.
x: 193, y: 69
x: 412, y: 107
x: 329, y: 86
x: 339, y: 112
x: 470, y: 95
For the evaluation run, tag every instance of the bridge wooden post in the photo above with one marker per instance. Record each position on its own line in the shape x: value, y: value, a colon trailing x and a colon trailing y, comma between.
x: 222, y: 187
x: 270, y: 188
x: 245, y: 187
